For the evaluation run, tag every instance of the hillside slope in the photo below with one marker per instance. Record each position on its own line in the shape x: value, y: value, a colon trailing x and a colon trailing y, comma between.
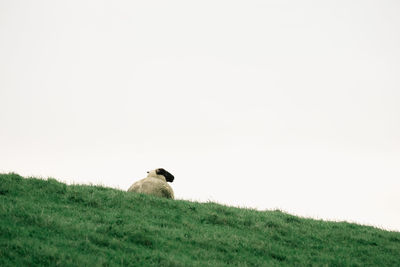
x: 45, y: 222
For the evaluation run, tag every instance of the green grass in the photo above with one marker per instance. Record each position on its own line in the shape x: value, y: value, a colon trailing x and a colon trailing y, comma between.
x: 45, y: 222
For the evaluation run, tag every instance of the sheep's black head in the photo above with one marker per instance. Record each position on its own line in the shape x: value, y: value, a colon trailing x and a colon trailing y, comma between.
x: 169, y: 177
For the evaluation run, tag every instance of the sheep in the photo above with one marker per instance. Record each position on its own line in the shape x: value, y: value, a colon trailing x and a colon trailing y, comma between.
x: 155, y: 184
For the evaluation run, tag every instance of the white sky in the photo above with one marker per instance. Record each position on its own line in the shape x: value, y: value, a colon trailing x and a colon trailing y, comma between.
x: 264, y: 104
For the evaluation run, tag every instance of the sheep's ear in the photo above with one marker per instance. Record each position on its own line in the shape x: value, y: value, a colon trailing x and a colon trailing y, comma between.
x: 158, y: 171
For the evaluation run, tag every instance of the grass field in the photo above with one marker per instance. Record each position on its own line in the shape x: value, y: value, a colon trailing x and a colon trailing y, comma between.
x: 45, y: 222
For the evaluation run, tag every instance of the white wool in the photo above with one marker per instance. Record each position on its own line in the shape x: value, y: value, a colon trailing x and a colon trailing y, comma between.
x: 154, y: 184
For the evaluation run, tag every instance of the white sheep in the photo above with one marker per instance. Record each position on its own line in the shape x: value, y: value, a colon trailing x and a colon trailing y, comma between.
x: 155, y: 184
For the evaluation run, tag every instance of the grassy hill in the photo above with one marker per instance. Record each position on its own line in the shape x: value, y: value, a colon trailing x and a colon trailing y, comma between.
x: 45, y: 222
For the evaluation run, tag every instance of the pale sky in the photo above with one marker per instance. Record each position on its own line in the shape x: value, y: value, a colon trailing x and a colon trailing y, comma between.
x: 263, y: 104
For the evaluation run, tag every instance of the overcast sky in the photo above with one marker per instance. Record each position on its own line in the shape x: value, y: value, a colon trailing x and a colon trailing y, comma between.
x: 264, y: 104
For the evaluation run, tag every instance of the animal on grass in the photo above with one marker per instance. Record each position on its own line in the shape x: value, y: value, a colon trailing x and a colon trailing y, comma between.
x: 156, y: 183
